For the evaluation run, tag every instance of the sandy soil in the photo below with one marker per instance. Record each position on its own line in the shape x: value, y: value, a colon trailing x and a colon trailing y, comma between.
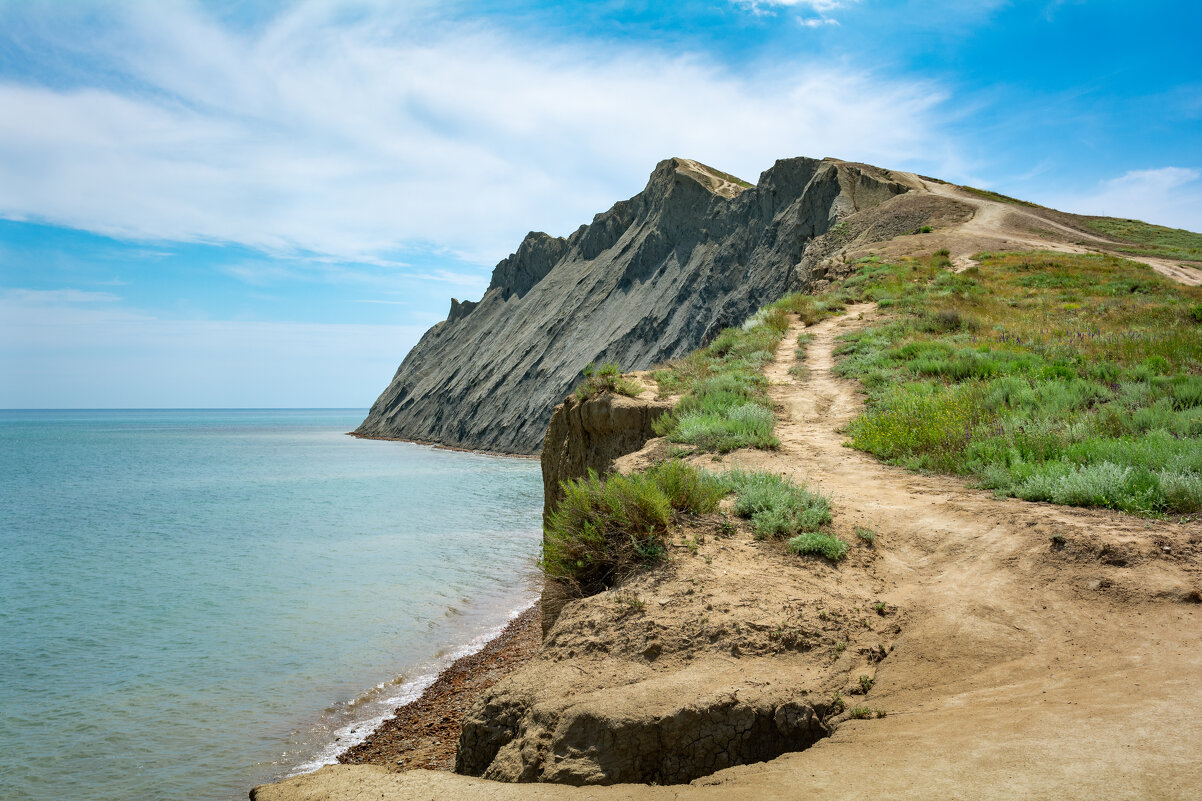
x: 1021, y: 668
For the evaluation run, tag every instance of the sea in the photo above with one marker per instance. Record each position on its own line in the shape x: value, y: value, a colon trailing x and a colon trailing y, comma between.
x: 193, y: 602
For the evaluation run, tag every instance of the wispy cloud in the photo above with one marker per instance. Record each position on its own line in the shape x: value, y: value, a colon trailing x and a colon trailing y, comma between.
x: 360, y: 131
x: 1166, y: 195
x: 818, y: 6
x: 822, y: 8
x: 816, y: 22
x: 42, y: 297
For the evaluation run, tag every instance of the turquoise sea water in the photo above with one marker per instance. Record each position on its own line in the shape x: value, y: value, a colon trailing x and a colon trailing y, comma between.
x: 192, y: 602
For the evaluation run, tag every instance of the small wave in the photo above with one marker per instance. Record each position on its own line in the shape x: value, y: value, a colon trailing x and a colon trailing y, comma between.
x: 384, y: 698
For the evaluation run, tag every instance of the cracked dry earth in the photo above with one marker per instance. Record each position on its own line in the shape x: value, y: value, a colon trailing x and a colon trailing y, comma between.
x: 1013, y: 668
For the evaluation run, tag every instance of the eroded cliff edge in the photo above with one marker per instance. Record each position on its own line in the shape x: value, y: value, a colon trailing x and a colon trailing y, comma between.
x: 651, y: 279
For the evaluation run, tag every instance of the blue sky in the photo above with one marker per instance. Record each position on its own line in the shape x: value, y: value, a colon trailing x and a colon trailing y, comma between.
x: 266, y: 204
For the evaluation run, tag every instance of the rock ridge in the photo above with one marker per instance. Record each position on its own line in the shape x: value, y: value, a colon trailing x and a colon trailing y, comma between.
x: 652, y: 278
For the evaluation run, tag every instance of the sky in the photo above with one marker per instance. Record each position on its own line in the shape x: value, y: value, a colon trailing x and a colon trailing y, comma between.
x: 265, y: 204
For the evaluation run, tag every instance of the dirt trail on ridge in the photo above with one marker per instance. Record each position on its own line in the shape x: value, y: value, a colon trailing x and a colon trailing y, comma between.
x: 998, y: 226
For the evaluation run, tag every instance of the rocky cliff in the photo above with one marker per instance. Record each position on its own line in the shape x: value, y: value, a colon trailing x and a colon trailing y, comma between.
x: 651, y: 279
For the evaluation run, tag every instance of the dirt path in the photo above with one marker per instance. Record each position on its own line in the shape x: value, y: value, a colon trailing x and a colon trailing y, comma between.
x: 1005, y: 226
x: 1022, y: 669
x: 1047, y: 666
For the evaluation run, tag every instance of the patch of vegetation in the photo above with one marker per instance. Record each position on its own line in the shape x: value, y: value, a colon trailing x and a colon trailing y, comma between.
x: 606, y: 378
x: 866, y: 683
x: 866, y: 535
x: 776, y: 507
x: 1147, y: 239
x: 810, y: 309
x: 1045, y: 376
x: 605, y: 529
x: 630, y: 602
x: 816, y: 543
x: 733, y: 179
x: 985, y: 193
x: 725, y: 404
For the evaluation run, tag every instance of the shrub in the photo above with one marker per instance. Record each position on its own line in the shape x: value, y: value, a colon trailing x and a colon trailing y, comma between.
x: 604, y: 529
x: 736, y: 426
x: 866, y: 535
x: 776, y: 507
x: 1195, y: 313
x: 818, y: 544
x: 606, y: 378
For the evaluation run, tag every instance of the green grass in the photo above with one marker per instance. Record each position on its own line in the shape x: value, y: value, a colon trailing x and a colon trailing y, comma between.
x: 725, y: 402
x: 1050, y: 377
x: 776, y: 507
x: 985, y: 193
x: 605, y: 529
x: 734, y: 179
x: 606, y: 378
x: 1149, y: 240
x: 818, y: 544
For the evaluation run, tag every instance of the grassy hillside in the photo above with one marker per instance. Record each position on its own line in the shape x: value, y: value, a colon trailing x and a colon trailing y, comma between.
x: 1051, y: 377
x: 1145, y: 239
x: 725, y: 404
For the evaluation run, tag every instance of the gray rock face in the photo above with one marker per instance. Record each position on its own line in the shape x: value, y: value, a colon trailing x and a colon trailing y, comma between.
x: 653, y: 278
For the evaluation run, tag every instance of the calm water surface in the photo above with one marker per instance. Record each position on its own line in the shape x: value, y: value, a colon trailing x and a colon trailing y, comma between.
x: 192, y: 602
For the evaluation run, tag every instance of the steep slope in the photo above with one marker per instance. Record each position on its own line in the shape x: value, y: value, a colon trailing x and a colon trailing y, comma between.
x: 651, y: 279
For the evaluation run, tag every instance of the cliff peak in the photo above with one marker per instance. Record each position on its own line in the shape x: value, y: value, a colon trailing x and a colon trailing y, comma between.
x: 720, y: 183
x: 651, y: 279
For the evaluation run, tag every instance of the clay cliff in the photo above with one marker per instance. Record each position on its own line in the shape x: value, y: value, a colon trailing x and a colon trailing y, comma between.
x: 651, y: 279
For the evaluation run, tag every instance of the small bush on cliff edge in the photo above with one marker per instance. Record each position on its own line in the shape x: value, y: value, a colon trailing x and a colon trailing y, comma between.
x: 606, y: 378
x: 604, y: 529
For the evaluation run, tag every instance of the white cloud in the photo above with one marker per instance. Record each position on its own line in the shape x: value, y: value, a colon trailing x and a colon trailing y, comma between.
x: 44, y: 296
x: 359, y: 135
x: 817, y: 6
x: 1165, y: 196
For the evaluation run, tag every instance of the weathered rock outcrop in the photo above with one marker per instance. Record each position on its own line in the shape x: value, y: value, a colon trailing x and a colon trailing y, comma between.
x: 633, y: 734
x: 651, y: 279
x: 591, y: 434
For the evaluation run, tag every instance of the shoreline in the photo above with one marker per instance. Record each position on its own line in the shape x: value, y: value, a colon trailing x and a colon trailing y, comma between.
x: 441, y: 447
x: 424, y: 733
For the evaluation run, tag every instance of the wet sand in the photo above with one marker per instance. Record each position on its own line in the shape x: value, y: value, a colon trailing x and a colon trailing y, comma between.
x: 425, y: 733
